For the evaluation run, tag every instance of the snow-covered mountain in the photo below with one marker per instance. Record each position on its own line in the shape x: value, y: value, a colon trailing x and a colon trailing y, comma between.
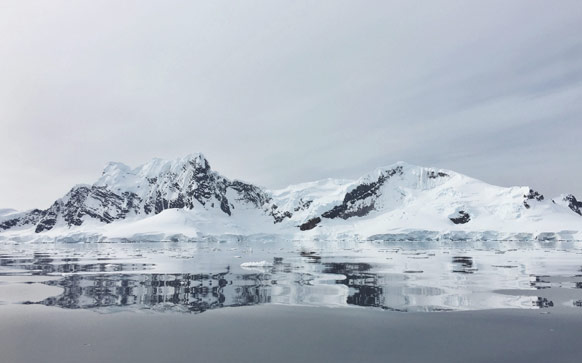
x: 184, y: 199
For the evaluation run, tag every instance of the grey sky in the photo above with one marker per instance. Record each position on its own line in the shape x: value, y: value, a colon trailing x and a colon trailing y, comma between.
x: 279, y: 92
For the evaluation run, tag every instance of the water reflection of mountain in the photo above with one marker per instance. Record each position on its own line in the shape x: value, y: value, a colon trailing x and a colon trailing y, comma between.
x: 463, y: 264
x: 363, y: 285
x: 200, y: 292
x: 189, y: 292
x: 44, y: 264
x: 116, y: 284
x: 385, y: 291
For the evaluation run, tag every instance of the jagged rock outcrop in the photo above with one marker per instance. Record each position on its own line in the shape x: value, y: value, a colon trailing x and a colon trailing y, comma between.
x: 461, y: 217
x: 574, y: 204
x: 22, y: 219
x: 532, y: 195
x: 94, y: 202
x: 436, y: 174
x: 361, y: 200
x: 303, y: 205
x: 148, y: 190
x: 310, y: 224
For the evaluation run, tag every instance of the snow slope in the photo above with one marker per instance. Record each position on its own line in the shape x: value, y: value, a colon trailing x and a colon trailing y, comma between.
x: 184, y: 199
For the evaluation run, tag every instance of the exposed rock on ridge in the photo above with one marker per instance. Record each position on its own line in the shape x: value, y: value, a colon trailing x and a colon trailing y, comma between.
x: 148, y: 190
x: 574, y: 204
x: 184, y: 198
x: 360, y: 201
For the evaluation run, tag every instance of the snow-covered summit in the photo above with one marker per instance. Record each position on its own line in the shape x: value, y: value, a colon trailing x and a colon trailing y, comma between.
x: 122, y: 176
x: 185, y: 198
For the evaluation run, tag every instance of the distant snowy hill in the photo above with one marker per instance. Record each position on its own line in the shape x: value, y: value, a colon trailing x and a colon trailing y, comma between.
x: 184, y: 199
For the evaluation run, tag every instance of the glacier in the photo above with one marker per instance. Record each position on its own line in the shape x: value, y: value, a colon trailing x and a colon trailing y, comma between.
x: 186, y: 200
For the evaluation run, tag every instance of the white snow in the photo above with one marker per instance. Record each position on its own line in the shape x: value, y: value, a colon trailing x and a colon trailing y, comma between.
x: 7, y: 212
x: 412, y: 204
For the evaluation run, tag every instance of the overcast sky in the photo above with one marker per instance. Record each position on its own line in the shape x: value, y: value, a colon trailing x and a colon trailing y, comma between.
x: 279, y: 92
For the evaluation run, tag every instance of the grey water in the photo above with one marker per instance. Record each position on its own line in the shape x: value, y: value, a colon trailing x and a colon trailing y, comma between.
x: 200, y: 276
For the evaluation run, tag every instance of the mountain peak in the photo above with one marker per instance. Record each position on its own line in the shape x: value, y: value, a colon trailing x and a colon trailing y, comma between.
x: 158, y: 164
x: 115, y: 173
x: 390, y: 199
x: 196, y: 159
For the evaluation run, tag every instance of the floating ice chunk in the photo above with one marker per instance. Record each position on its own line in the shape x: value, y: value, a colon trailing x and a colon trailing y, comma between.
x: 256, y: 264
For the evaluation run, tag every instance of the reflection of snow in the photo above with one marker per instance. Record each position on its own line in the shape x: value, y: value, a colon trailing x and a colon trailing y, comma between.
x: 156, y: 276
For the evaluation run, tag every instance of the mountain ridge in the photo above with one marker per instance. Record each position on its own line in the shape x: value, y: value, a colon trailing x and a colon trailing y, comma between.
x: 398, y: 199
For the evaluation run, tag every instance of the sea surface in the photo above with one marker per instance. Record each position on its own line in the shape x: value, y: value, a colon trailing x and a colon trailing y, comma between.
x: 193, y: 278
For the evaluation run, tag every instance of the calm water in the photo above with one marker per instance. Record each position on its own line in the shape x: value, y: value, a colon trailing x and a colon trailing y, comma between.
x: 196, y: 277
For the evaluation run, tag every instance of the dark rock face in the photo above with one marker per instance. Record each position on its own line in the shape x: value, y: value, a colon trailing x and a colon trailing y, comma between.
x: 279, y: 216
x: 365, y: 193
x: 250, y: 193
x: 9, y: 223
x: 45, y: 225
x: 574, y: 204
x: 303, y: 205
x: 433, y: 175
x: 310, y: 224
x: 341, y: 211
x: 203, y: 186
x: 91, y: 201
x: 462, y: 217
x: 532, y: 195
x: 30, y: 218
